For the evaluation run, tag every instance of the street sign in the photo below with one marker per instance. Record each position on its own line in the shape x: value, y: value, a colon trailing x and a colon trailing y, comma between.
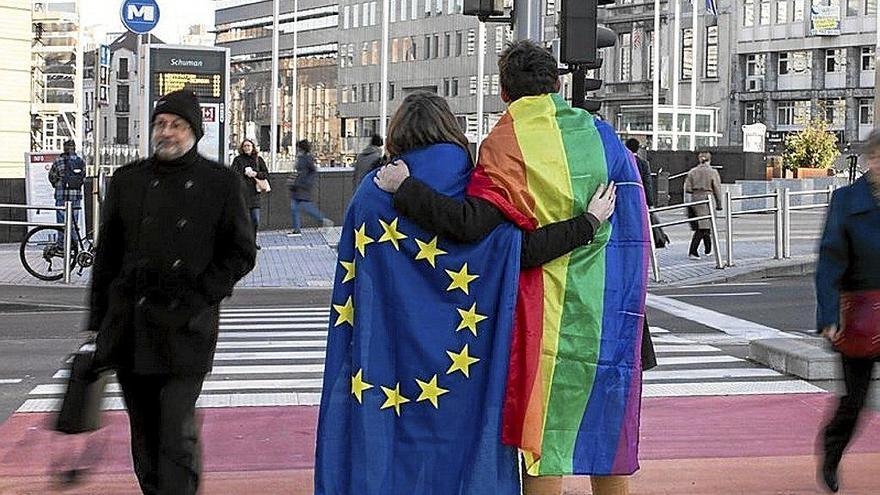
x: 139, y: 16
x: 104, y: 55
x: 103, y: 75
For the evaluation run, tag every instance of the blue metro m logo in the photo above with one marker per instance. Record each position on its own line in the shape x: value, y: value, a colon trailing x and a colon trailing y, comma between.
x: 140, y: 16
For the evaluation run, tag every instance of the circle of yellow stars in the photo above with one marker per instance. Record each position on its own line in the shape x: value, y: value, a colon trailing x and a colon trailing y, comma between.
x: 461, y: 279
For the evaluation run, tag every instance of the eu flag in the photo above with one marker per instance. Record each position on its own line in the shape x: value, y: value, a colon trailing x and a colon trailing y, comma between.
x: 417, y: 351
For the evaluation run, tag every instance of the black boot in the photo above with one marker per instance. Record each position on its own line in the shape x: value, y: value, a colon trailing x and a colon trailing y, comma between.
x: 829, y: 476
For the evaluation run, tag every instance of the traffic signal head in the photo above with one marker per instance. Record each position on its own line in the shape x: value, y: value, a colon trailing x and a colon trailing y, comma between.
x: 483, y: 8
x: 579, y: 35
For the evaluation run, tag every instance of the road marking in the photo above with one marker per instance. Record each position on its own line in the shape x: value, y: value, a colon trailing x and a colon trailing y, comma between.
x: 728, y: 388
x: 658, y: 330
x: 9, y: 381
x: 667, y: 361
x: 264, y: 319
x: 728, y: 324
x: 274, y: 326
x: 323, y: 309
x: 269, y: 335
x: 667, y: 349
x: 268, y: 356
x: 726, y: 284
x: 209, y: 386
x: 709, y: 373
x: 204, y: 401
x: 716, y: 294
x: 269, y: 344
x: 244, y: 370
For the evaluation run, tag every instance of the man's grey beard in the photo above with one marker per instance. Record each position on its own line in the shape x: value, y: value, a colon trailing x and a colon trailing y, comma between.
x: 166, y: 152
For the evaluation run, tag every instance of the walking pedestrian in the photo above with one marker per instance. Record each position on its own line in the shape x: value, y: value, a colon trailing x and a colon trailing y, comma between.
x: 702, y: 182
x: 175, y: 238
x: 302, y: 188
x: 369, y: 159
x: 847, y: 277
x: 251, y: 167
x: 536, y: 139
x: 67, y: 175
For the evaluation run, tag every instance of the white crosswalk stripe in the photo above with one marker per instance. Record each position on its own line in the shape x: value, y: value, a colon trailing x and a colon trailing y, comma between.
x: 686, y: 368
x: 265, y: 357
x: 275, y: 357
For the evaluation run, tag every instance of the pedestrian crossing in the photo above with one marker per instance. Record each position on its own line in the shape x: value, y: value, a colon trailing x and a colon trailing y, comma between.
x: 275, y: 357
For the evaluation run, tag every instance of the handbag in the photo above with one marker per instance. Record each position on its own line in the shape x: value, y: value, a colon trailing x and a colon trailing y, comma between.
x: 860, y: 324
x: 263, y: 186
x: 81, y: 407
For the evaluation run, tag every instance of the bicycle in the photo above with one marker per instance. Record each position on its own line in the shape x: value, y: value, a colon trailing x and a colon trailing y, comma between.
x: 42, y: 247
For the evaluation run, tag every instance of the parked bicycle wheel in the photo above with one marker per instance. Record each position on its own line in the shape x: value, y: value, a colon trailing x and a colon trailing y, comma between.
x: 42, y: 253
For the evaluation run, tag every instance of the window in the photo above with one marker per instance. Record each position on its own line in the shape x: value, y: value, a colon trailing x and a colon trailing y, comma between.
x: 123, y: 68
x: 450, y: 7
x: 835, y: 60
x: 499, y: 39
x: 711, y: 62
x: 472, y: 85
x: 427, y: 46
x: 373, y: 8
x: 870, y: 7
x: 798, y: 10
x: 365, y: 53
x: 375, y: 53
x: 753, y: 113
x: 365, y: 19
x: 866, y: 111
x: 551, y: 7
x: 356, y: 17
x: 390, y: 91
x: 393, y: 11
x: 395, y: 45
x: 459, y: 43
x: 625, y: 57
x: 835, y: 113
x: 785, y: 113
x: 799, y: 63
x: 765, y: 13
x: 438, y: 7
x: 447, y: 45
x: 436, y: 47
x: 415, y: 10
x: 403, y: 10
x: 346, y: 13
x: 446, y: 87
x: 495, y: 84
x: 853, y: 8
x: 472, y: 42
x: 868, y: 60
x: 801, y: 112
x: 748, y: 13
x: 455, y: 87
x: 649, y: 35
x: 345, y: 95
x: 781, y: 11
x: 122, y: 130
x: 687, y: 53
x: 428, y: 8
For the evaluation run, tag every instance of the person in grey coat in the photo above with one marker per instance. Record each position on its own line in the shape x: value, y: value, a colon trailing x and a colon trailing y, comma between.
x: 175, y: 238
x: 302, y: 189
x: 369, y: 159
x: 703, y: 182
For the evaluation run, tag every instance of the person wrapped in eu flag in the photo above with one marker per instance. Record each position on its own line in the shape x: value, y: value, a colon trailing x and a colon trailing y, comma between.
x: 420, y: 333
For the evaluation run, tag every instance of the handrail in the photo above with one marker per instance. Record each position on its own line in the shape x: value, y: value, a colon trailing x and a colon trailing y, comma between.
x: 67, y: 226
x: 655, y: 264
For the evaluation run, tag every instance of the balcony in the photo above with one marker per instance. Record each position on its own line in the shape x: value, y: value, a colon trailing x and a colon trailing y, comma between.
x: 123, y: 108
x: 123, y: 75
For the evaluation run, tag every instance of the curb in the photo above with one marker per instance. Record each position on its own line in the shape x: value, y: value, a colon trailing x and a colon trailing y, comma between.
x: 792, y: 267
x: 810, y: 358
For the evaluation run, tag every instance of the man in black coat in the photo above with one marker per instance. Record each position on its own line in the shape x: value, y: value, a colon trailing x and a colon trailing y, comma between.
x: 175, y: 238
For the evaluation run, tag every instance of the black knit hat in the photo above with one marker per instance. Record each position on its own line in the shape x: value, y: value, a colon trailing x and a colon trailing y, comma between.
x: 185, y: 104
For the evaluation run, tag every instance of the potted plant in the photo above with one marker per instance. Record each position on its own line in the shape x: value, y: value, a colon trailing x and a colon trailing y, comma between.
x: 811, y: 152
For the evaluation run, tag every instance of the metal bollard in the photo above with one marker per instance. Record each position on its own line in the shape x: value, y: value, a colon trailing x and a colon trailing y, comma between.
x: 830, y: 193
x: 68, y: 227
x: 786, y: 224
x: 777, y: 223
x: 728, y: 215
x: 655, y: 265
x: 716, y: 246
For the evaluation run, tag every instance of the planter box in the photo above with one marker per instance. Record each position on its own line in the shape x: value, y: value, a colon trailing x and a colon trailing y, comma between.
x: 811, y: 173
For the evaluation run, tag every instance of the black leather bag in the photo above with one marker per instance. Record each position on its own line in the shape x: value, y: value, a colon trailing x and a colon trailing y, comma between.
x: 81, y: 406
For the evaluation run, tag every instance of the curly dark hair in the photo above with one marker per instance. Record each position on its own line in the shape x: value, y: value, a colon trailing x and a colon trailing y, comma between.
x: 527, y: 69
x: 304, y: 145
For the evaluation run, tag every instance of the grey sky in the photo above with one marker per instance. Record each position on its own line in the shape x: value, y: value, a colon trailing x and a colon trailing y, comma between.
x: 175, y: 16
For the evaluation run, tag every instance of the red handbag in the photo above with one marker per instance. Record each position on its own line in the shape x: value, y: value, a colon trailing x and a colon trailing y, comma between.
x: 860, y: 324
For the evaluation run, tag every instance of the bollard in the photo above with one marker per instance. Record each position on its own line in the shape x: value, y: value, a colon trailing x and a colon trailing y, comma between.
x: 777, y: 223
x: 786, y: 224
x: 715, y: 244
x: 68, y: 227
x: 655, y: 265
x: 728, y: 215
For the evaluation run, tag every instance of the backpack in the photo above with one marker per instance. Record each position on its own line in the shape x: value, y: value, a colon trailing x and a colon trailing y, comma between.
x: 74, y: 173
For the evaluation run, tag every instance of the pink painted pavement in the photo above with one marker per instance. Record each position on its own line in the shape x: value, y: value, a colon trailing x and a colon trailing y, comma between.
x: 267, y: 448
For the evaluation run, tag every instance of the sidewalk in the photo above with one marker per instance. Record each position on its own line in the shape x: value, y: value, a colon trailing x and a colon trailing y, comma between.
x: 308, y: 261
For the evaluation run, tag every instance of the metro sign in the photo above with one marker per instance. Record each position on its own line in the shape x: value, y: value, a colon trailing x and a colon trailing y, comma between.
x: 140, y: 16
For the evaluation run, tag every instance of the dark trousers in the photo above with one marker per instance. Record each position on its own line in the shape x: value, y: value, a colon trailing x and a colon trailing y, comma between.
x: 164, y: 431
x: 704, y: 235
x: 839, y: 431
x: 255, y: 220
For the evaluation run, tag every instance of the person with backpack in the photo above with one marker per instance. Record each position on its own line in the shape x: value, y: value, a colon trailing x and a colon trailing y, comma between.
x: 67, y: 175
x: 369, y: 159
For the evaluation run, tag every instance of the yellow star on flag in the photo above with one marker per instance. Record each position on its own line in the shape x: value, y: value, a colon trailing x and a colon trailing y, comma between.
x: 461, y: 279
x: 429, y: 251
x: 394, y: 398
x: 361, y: 239
x: 430, y: 391
x: 469, y: 319
x: 346, y: 312
x: 349, y: 270
x: 358, y: 385
x: 391, y: 233
x: 461, y: 362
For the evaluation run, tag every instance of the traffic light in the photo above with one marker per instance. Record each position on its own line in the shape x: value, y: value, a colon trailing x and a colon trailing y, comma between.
x: 580, y: 39
x: 483, y: 8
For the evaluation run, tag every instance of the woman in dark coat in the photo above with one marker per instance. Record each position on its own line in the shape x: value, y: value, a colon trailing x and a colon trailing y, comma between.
x: 302, y: 188
x: 250, y: 167
x: 848, y: 262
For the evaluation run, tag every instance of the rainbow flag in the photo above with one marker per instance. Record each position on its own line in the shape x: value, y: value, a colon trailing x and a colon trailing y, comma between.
x: 574, y: 381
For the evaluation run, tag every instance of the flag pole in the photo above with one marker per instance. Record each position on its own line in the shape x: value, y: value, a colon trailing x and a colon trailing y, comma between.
x: 655, y: 117
x: 676, y: 72
x: 695, y: 74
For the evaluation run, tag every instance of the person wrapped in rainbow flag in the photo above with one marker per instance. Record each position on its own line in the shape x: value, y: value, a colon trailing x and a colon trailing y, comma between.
x: 573, y: 391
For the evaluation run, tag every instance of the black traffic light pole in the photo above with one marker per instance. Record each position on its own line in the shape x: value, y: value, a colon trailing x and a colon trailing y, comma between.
x: 578, y: 86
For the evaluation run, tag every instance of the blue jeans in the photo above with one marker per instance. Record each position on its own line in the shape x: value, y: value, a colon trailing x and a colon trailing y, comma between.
x: 59, y: 218
x: 308, y: 208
